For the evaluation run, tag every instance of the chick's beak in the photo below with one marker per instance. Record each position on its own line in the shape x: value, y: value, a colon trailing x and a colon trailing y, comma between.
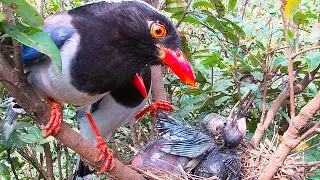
x: 178, y: 63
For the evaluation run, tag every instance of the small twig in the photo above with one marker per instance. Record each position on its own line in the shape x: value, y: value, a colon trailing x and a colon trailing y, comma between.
x: 49, y: 162
x: 12, y: 164
x: 69, y: 165
x: 310, y: 131
x: 114, y: 147
x: 246, y: 95
x: 57, y: 147
x: 185, y: 13
x: 212, y: 92
x: 290, y: 61
x: 293, y: 56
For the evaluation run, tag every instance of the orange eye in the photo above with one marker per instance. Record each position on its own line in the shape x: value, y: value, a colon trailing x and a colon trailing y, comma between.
x: 158, y: 30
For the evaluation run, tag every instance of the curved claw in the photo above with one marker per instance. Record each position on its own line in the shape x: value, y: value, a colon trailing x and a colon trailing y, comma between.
x: 106, y: 153
x: 53, y: 126
x: 158, y: 105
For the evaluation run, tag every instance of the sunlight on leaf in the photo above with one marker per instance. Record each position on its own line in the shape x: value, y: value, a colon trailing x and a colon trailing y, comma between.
x: 291, y: 8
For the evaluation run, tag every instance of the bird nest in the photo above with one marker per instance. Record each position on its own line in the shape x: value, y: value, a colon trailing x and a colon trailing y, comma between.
x: 253, y: 162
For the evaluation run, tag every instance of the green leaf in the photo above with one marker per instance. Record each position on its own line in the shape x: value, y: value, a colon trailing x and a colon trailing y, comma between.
x: 279, y: 61
x: 213, y: 60
x: 299, y: 18
x: 285, y: 115
x: 38, y: 148
x: 221, y: 100
x: 46, y: 140
x: 203, y: 4
x: 238, y: 29
x: 232, y: 4
x: 28, y: 138
x: 35, y: 38
x: 175, y: 7
x: 222, y: 85
x: 219, y: 7
x: 28, y: 13
x: 3, y: 16
x: 313, y: 60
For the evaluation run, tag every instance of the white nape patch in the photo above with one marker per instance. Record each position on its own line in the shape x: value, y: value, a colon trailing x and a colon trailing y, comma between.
x: 48, y: 82
x: 119, y: 1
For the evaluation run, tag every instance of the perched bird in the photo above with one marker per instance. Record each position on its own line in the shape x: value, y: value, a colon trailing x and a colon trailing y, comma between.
x: 192, y: 148
x: 104, y: 46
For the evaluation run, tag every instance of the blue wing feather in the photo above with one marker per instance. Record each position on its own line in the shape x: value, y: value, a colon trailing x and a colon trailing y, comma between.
x: 181, y: 139
x: 59, y: 35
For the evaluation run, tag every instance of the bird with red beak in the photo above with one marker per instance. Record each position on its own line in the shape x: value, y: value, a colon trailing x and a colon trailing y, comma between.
x: 104, y: 47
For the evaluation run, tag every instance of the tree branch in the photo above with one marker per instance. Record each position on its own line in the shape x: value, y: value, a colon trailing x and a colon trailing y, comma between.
x: 261, y: 128
x: 290, y: 60
x: 49, y: 162
x: 291, y: 138
x: 303, y: 51
x: 12, y: 164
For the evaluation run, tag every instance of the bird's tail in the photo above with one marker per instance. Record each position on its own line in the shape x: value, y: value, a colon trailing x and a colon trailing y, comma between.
x: 83, y: 171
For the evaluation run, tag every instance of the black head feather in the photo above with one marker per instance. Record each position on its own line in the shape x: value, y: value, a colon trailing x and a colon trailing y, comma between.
x: 116, y: 37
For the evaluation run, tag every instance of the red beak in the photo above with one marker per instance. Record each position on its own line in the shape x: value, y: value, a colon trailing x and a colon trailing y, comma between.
x: 178, y: 63
x: 137, y: 81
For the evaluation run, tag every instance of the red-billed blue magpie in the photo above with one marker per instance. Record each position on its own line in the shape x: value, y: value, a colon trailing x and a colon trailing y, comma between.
x: 104, y: 46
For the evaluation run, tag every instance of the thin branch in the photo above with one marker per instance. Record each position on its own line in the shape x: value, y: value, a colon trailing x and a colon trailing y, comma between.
x: 291, y: 138
x: 293, y: 56
x: 310, y: 131
x: 57, y: 147
x: 185, y: 13
x: 290, y: 60
x: 33, y: 160
x: 69, y: 166
x: 261, y: 128
x: 12, y: 164
x: 236, y: 71
x: 49, y: 162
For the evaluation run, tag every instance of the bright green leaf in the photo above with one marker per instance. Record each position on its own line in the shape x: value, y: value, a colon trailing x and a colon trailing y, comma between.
x: 28, y: 13
x: 238, y: 29
x: 221, y: 100
x: 232, y: 4
x: 299, y: 18
x: 35, y: 38
x: 219, y: 7
x: 313, y: 60
x: 202, y: 4
x: 3, y: 16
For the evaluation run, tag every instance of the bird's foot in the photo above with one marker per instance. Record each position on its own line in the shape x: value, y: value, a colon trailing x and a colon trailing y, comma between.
x: 106, y: 153
x: 53, y: 126
x: 154, y: 107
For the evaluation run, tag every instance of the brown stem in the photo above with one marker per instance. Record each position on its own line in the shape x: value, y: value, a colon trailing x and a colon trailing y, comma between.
x: 157, y: 91
x: 33, y: 160
x: 69, y: 165
x: 49, y: 162
x: 303, y: 51
x: 185, y: 13
x: 12, y: 164
x: 57, y: 147
x: 291, y: 138
x: 261, y: 128
x: 212, y: 92
x: 290, y: 61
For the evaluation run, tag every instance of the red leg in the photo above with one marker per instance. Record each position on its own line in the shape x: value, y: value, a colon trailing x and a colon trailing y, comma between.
x: 160, y: 104
x: 102, y: 146
x: 53, y: 126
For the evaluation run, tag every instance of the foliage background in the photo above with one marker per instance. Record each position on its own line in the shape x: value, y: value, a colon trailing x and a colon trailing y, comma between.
x: 236, y: 47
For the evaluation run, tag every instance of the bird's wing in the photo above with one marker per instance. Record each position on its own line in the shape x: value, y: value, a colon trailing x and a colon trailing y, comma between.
x: 181, y: 139
x: 59, y: 35
x: 233, y: 167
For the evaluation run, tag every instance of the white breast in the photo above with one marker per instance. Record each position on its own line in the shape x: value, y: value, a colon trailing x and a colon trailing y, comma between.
x: 48, y: 82
x: 110, y: 116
